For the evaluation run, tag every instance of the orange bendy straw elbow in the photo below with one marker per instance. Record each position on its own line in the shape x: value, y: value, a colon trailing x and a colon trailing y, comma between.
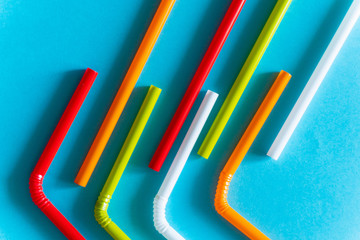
x: 226, y: 175
x: 124, y: 92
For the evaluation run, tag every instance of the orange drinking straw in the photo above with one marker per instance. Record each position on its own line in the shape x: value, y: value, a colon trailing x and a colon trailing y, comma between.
x: 124, y: 92
x: 221, y: 204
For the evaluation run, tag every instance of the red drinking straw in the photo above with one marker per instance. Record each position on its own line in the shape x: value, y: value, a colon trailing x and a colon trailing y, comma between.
x: 196, y: 84
x: 37, y: 176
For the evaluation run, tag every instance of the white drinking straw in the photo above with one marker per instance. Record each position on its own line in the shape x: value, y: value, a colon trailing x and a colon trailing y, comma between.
x: 161, y: 199
x: 315, y: 81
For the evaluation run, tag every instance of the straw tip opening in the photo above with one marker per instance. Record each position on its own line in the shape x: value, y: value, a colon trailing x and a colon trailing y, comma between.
x: 155, y: 168
x: 204, y: 153
x: 273, y: 156
x: 155, y: 164
x: 80, y: 183
x: 152, y: 87
x: 209, y: 92
x: 91, y: 71
x: 283, y: 72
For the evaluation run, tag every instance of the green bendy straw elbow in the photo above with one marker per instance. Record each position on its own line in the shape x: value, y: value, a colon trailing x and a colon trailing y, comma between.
x: 244, y: 77
x: 122, y: 160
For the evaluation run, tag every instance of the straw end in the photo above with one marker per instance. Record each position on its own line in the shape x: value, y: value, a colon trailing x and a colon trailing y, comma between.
x: 159, y: 157
x: 89, y: 70
x: 155, y: 167
x: 282, y: 72
x: 203, y: 153
x: 81, y: 181
x: 273, y: 155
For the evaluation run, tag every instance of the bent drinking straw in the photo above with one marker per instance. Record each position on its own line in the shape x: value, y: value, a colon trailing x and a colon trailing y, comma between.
x: 37, y: 176
x: 244, y: 77
x: 196, y: 84
x: 124, y: 92
x: 160, y: 222
x: 315, y: 81
x: 221, y: 204
x: 122, y: 160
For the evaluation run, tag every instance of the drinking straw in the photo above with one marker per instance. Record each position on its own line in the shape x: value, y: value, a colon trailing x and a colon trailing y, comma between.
x: 196, y: 84
x: 160, y: 222
x: 244, y: 77
x: 46, y: 158
x: 124, y: 92
x: 315, y: 81
x: 122, y: 160
x: 221, y: 204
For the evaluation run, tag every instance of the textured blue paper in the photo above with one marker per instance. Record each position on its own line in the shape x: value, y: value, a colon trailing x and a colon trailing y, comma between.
x: 312, y: 192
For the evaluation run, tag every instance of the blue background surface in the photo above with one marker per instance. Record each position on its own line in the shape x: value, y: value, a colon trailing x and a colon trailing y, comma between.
x: 312, y: 192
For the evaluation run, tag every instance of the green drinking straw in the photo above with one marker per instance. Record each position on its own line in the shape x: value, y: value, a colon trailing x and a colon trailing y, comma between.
x: 244, y: 77
x: 122, y: 160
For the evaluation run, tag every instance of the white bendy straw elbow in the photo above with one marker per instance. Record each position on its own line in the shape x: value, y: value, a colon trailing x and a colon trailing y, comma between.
x: 315, y: 80
x: 161, y: 199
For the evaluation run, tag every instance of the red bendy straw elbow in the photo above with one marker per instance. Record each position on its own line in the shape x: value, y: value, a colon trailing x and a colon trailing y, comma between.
x: 37, y: 176
x: 196, y: 84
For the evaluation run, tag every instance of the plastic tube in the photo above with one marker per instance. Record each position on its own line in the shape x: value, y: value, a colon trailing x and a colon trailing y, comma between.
x: 196, y: 84
x: 124, y: 92
x: 160, y: 222
x: 221, y: 204
x: 244, y: 77
x: 315, y: 81
x: 122, y: 160
x: 38, y: 174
